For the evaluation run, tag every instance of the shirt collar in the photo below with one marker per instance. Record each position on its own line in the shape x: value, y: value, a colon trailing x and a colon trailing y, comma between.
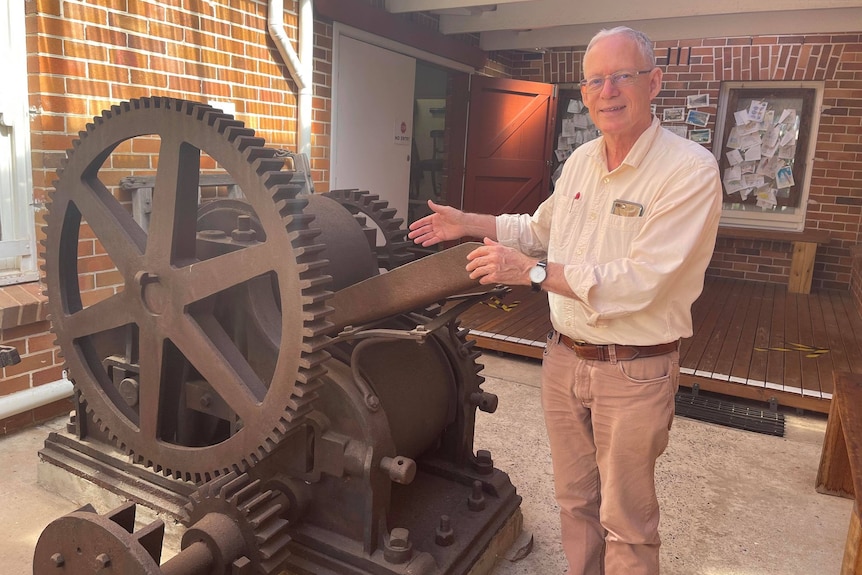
x: 639, y: 150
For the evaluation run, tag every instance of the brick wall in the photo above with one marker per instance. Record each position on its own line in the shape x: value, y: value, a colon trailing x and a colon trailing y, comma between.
x: 39, y: 365
x: 856, y: 276
x: 86, y: 55
x: 699, y: 66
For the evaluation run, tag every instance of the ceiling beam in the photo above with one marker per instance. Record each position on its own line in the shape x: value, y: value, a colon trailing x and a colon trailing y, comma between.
x: 554, y: 13
x: 399, y: 6
x: 748, y: 24
x: 363, y: 16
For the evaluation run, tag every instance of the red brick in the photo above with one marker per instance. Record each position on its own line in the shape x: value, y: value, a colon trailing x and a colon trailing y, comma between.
x: 29, y: 363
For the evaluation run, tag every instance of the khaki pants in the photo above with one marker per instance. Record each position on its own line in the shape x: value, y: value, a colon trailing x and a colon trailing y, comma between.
x: 607, y: 424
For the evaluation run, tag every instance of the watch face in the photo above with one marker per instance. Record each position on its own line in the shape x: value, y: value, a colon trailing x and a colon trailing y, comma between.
x: 537, y: 274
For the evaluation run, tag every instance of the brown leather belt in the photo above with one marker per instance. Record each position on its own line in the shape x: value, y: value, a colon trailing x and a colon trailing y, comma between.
x: 619, y: 352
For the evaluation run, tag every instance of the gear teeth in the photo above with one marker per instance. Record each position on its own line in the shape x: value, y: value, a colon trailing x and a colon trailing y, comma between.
x: 235, y: 134
x: 226, y: 123
x: 258, y: 161
x: 267, y: 162
x: 272, y: 529
x: 396, y: 248
x: 257, y: 514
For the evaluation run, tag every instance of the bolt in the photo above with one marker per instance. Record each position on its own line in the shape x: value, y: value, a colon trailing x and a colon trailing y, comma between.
x: 372, y: 402
x: 212, y: 234
x: 484, y: 464
x: 444, y: 536
x: 129, y: 391
x: 399, y: 538
x: 398, y: 549
x: 206, y: 400
x: 102, y: 561
x: 58, y: 560
x: 476, y: 501
x: 486, y: 402
x: 400, y: 469
x: 243, y: 231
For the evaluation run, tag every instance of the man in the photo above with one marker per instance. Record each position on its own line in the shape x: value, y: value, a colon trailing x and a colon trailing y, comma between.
x: 628, y: 234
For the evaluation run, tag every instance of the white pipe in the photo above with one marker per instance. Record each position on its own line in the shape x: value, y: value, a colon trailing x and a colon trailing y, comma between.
x: 300, y: 67
x: 34, y: 397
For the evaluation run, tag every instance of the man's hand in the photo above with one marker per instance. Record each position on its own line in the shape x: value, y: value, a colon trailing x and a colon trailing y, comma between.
x: 445, y: 223
x: 496, y: 264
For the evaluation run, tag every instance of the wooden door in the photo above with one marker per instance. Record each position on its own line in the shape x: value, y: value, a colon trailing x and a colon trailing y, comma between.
x: 509, y: 145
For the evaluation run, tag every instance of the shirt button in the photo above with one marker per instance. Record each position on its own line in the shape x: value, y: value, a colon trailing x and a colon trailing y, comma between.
x: 592, y: 216
x: 579, y: 251
x: 606, y: 180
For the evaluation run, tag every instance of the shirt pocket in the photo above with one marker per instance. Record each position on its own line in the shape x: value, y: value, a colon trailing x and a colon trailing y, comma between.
x: 568, y: 215
x: 619, y: 233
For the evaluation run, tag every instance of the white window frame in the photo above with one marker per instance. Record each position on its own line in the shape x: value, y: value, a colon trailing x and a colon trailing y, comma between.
x: 17, y: 223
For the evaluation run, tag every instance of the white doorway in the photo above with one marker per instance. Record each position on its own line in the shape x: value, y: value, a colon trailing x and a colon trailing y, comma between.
x: 372, y: 121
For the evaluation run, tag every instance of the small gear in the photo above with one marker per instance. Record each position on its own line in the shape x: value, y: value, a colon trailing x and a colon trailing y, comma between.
x: 257, y: 514
x: 394, y: 251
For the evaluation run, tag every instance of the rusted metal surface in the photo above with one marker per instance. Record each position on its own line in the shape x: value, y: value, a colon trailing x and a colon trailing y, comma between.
x: 408, y: 287
x: 174, y: 318
x: 86, y: 542
x: 316, y: 413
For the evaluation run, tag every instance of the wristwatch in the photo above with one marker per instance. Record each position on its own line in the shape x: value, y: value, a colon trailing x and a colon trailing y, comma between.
x: 538, y: 273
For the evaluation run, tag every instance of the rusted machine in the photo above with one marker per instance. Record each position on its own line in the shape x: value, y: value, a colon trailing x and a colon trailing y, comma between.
x: 303, y: 410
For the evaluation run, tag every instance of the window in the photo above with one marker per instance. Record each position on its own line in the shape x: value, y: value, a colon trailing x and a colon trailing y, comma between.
x: 766, y: 134
x: 17, y: 226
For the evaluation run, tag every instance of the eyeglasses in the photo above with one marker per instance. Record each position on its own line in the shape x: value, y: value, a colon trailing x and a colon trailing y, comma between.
x: 621, y: 78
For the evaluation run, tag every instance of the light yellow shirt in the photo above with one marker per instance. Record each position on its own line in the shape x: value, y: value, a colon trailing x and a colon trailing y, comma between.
x: 636, y: 274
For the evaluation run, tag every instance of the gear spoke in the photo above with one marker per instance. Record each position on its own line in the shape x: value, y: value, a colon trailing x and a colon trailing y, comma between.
x: 112, y: 312
x: 209, y: 349
x: 113, y: 225
x: 205, y: 278
x: 175, y: 202
x: 150, y: 388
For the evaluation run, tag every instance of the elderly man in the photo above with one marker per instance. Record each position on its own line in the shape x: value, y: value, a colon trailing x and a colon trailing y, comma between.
x: 621, y: 247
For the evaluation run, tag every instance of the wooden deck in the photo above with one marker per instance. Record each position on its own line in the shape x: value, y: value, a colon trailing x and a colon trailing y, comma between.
x: 751, y: 340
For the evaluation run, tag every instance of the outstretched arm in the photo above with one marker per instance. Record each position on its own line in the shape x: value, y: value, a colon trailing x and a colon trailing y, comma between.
x: 447, y: 223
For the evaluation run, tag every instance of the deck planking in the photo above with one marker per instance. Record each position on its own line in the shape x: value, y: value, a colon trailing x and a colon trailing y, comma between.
x: 751, y: 340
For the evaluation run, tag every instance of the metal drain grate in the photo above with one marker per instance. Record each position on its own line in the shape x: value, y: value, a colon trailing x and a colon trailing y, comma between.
x: 731, y: 414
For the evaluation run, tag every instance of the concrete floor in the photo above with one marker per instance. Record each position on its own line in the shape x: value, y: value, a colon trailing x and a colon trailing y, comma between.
x: 734, y: 502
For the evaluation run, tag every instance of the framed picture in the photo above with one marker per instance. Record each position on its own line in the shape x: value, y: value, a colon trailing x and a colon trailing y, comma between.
x: 697, y: 101
x: 700, y: 136
x: 696, y: 118
x: 673, y: 115
x: 765, y: 136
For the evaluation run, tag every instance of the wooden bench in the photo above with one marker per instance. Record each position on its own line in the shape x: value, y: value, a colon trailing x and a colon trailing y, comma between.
x: 840, y: 471
x: 804, y: 250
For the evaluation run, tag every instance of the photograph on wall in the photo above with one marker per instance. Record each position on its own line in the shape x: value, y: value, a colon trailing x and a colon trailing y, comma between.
x: 696, y: 118
x: 673, y: 115
x: 700, y: 136
x: 697, y: 101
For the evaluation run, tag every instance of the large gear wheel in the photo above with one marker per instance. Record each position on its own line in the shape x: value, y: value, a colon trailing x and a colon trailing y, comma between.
x: 137, y: 355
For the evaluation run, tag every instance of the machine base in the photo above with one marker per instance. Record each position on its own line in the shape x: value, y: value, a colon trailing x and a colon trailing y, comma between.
x: 93, y: 472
